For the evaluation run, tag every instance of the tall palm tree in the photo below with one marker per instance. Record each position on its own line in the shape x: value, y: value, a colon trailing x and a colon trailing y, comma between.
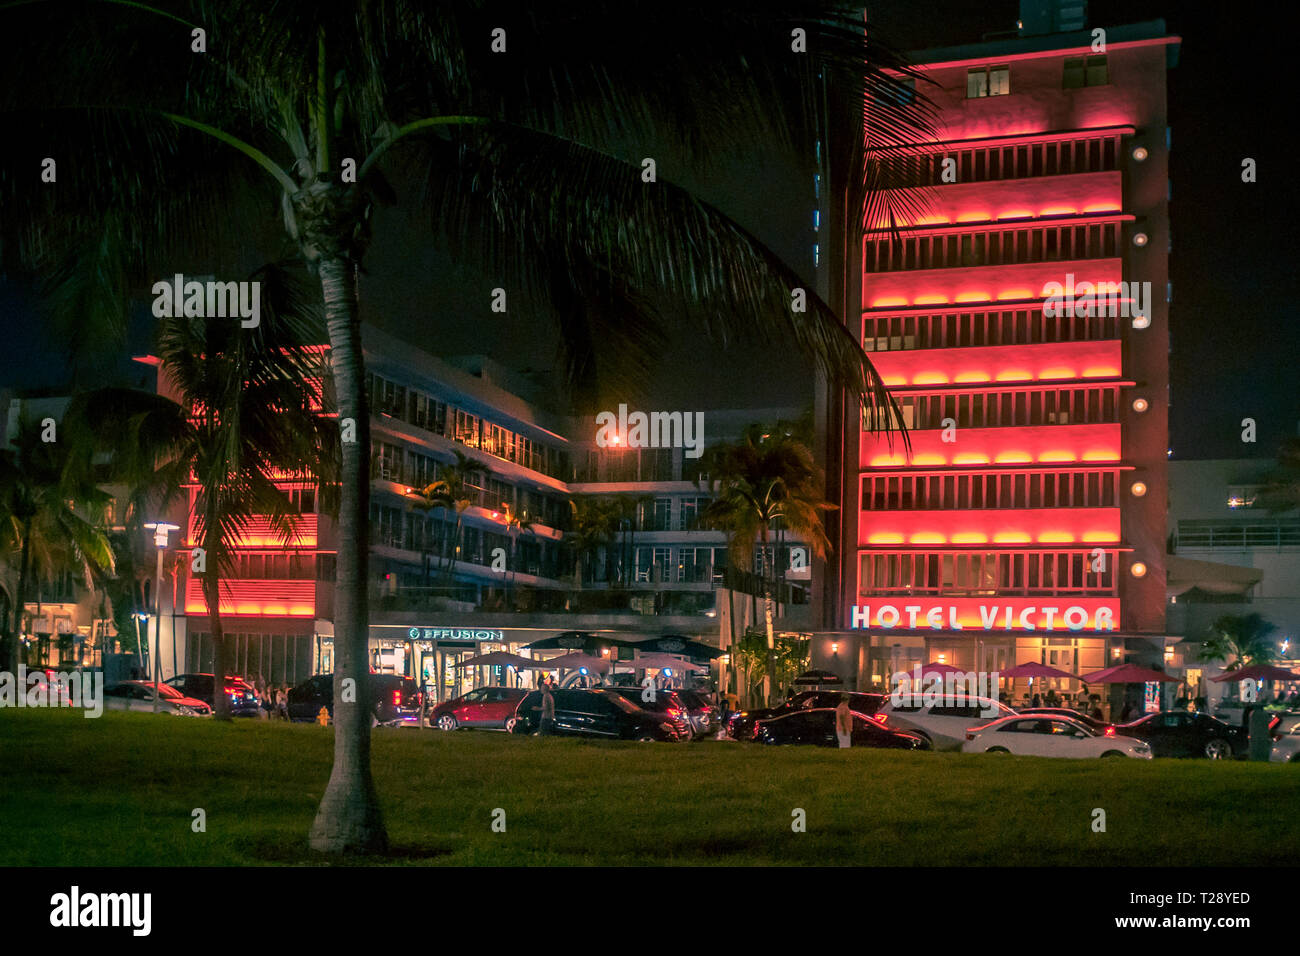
x: 1238, y: 640
x: 454, y: 491
x: 52, y: 517
x: 525, y: 122
x: 243, y: 421
x: 768, y: 478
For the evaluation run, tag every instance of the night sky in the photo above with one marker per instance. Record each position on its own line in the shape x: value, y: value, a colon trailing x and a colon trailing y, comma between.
x: 1235, y: 339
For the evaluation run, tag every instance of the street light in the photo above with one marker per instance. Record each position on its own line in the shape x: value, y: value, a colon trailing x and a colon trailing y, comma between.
x: 160, y: 531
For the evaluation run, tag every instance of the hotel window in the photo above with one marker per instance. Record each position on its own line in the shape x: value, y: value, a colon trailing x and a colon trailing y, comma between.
x: 968, y: 574
x: 988, y: 81
x: 1081, y: 71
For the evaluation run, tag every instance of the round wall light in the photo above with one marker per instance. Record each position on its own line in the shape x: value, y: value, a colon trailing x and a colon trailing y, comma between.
x: 1138, y: 570
x: 1141, y: 321
x: 1140, y: 153
x: 1140, y: 405
x: 1139, y: 239
x: 1138, y: 488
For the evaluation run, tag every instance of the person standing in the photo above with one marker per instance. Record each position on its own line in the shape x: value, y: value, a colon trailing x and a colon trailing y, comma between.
x: 844, y: 722
x: 547, y: 727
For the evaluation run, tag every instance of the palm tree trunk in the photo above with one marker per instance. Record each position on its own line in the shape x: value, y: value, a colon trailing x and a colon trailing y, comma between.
x: 767, y: 615
x: 212, y: 596
x: 349, y: 819
x: 20, y: 597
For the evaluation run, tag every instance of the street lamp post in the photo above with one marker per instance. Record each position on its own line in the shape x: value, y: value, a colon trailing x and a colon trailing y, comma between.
x: 160, y: 531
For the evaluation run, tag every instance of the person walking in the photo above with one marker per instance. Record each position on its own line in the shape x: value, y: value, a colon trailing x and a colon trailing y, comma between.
x: 844, y: 722
x: 547, y: 727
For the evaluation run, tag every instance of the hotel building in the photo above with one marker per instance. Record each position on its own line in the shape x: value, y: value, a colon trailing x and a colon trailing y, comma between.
x: 446, y: 585
x: 1026, y: 521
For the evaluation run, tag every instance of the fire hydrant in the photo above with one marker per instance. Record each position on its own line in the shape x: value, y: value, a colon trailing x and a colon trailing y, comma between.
x: 323, y: 718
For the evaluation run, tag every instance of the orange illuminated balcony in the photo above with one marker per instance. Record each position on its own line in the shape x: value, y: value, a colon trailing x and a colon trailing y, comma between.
x: 1028, y: 445
x: 976, y: 285
x: 991, y: 528
x: 256, y: 598
x: 259, y: 534
x: 1048, y: 361
x: 1021, y: 200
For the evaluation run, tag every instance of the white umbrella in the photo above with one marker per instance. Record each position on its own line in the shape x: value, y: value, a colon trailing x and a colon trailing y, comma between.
x: 660, y: 661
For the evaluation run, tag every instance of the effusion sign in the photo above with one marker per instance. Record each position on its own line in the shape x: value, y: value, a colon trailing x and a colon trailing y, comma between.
x: 957, y: 614
x: 455, y: 634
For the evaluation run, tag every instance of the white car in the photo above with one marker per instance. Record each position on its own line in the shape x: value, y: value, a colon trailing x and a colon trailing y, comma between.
x: 138, y: 695
x: 1050, y: 737
x: 943, y: 724
x: 1286, y: 749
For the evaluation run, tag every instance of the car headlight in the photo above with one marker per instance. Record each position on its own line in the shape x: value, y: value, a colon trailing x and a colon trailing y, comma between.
x: 185, y: 710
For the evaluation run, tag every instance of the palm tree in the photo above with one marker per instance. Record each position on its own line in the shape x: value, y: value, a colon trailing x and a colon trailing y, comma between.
x: 515, y: 524
x: 524, y: 123
x: 592, y: 527
x: 1241, y: 637
x: 242, y: 422
x: 767, y: 479
x: 51, y: 513
x: 456, y: 488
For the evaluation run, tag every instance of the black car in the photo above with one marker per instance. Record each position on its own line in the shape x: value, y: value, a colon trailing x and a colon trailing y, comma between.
x: 1181, y: 733
x: 817, y: 726
x: 599, y: 713
x: 244, y: 701
x: 668, y: 704
x: 395, y: 700
x: 742, y: 725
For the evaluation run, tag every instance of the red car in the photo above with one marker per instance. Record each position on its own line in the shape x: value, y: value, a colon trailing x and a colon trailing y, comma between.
x: 483, y: 707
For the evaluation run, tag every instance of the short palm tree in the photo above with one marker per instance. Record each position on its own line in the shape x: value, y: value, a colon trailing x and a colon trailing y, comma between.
x: 767, y: 479
x: 592, y: 526
x: 516, y: 523
x: 453, y: 492
x: 52, y: 517
x: 1240, y: 639
x: 526, y: 125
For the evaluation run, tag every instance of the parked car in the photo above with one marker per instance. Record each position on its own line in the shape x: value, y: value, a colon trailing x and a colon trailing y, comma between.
x: 599, y: 713
x: 700, y: 714
x: 1044, y: 735
x: 138, y: 695
x: 943, y: 724
x: 1097, y: 725
x: 816, y: 726
x: 741, y: 726
x: 483, y: 707
x: 1286, y: 749
x: 666, y: 703
x: 395, y: 700
x: 1182, y: 733
x: 244, y: 701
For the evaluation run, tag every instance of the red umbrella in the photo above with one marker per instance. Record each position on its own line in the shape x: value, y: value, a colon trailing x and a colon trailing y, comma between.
x: 1257, y: 672
x: 1128, y: 674
x: 1036, y: 670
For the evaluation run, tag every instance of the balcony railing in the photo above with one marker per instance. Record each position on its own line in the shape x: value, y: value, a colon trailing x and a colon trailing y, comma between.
x: 1257, y: 533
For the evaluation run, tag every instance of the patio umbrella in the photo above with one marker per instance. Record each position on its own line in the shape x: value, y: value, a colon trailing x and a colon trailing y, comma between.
x: 1035, y: 669
x: 571, y: 662
x: 1257, y: 672
x: 814, y: 677
x: 660, y: 661
x: 496, y: 659
x: 1128, y: 674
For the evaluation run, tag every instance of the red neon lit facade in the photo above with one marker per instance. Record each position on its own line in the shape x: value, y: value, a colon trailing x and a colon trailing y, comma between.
x: 1025, y: 444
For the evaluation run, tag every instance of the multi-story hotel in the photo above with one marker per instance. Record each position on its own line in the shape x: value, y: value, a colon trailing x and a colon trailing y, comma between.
x: 1026, y: 521
x: 447, y: 584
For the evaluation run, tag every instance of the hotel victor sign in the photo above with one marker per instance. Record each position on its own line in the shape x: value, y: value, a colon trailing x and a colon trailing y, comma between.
x: 1045, y: 614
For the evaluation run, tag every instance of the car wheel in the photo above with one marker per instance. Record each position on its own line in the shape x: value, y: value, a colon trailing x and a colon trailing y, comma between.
x: 1113, y: 753
x: 1218, y: 749
x: 646, y: 738
x: 510, y: 724
x: 997, y: 750
x: 446, y: 722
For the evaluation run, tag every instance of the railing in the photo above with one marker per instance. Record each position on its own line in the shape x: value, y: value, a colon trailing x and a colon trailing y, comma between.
x: 543, y: 601
x: 1256, y: 533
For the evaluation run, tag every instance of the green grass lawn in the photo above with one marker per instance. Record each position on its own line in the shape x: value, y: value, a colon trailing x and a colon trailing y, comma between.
x: 119, y: 790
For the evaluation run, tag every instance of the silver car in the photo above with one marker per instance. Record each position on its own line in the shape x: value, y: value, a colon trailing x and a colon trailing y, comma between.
x: 138, y: 695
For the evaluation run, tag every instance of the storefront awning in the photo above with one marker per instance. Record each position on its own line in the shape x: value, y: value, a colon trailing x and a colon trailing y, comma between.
x: 1186, y: 574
